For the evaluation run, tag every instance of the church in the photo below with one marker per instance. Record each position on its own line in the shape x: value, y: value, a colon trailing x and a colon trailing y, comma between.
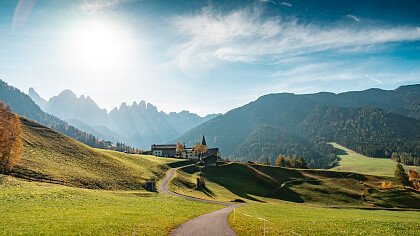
x: 209, y: 157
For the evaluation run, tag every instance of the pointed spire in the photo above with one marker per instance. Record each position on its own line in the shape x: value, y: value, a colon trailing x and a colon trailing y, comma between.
x: 203, y: 142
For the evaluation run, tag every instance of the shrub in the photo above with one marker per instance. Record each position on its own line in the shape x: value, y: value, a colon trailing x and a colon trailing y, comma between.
x: 386, y: 185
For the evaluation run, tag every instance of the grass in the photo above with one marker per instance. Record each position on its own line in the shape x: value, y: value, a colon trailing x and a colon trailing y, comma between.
x: 30, y: 208
x: 351, y: 161
x: 301, y: 219
x: 185, y: 182
x: 53, y: 155
x: 259, y: 183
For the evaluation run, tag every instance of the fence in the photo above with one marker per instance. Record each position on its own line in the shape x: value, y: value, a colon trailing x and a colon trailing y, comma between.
x: 38, y: 179
x: 264, y: 222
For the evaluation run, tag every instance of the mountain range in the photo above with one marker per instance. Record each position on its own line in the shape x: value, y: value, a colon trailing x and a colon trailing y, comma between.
x: 374, y: 122
x: 139, y: 124
x: 23, y: 105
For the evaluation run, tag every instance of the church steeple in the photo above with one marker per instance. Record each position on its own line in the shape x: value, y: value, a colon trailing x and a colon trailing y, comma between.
x: 203, y: 142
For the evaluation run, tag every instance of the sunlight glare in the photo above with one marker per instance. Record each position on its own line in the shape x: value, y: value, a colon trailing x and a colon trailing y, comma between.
x: 99, y: 43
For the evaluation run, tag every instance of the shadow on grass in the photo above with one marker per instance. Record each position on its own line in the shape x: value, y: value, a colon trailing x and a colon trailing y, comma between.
x: 2, y: 178
x: 180, y: 163
x: 404, y: 198
x: 206, y: 191
x: 246, y: 181
x: 340, y: 151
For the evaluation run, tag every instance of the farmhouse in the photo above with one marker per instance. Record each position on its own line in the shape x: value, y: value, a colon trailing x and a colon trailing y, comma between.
x: 166, y: 150
x: 210, y: 157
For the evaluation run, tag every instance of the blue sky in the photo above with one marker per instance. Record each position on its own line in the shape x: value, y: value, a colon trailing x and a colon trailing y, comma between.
x: 207, y: 56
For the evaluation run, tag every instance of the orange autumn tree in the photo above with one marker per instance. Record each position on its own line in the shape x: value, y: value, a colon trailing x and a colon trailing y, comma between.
x: 11, y: 146
x: 180, y: 149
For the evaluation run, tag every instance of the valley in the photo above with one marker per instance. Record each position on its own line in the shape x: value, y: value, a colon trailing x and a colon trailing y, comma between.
x: 103, y: 193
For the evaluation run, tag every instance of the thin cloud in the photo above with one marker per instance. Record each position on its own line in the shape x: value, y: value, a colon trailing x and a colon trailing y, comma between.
x: 353, y: 17
x: 373, y: 79
x: 245, y: 36
x: 287, y: 4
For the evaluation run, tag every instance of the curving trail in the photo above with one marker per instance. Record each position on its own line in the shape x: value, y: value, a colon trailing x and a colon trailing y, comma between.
x: 213, y: 223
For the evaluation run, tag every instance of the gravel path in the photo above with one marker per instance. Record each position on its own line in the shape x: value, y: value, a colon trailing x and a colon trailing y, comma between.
x: 213, y: 223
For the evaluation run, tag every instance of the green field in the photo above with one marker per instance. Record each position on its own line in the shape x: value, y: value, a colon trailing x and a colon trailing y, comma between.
x: 29, y: 208
x: 351, y: 161
x: 103, y: 192
x: 302, y: 219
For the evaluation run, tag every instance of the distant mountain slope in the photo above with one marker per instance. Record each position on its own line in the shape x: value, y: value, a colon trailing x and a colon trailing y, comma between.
x: 67, y: 105
x: 36, y: 98
x: 302, y: 125
x: 50, y: 154
x: 139, y: 124
x: 369, y: 131
x: 24, y: 106
x: 405, y: 100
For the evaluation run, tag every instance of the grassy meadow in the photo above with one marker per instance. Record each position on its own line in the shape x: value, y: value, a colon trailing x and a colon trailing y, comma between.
x: 351, y: 161
x: 30, y: 208
x: 302, y: 219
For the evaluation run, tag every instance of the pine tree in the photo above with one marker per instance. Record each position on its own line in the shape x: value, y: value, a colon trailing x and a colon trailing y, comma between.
x: 400, y: 176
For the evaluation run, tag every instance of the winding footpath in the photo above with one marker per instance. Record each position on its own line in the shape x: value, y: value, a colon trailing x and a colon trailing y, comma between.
x: 211, y: 224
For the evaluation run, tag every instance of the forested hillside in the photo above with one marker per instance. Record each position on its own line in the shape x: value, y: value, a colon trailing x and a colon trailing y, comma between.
x: 369, y: 131
x: 377, y: 123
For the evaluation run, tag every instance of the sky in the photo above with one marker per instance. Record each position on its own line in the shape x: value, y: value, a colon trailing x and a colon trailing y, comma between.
x: 207, y: 56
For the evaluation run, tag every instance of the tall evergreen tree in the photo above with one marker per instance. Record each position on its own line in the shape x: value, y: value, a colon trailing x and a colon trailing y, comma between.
x: 400, y: 176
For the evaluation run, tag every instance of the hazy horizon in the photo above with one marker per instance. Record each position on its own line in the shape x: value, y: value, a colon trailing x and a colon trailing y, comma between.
x: 206, y: 56
x: 129, y: 103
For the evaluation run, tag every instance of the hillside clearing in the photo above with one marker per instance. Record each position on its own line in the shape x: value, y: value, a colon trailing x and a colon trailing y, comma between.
x: 351, y: 161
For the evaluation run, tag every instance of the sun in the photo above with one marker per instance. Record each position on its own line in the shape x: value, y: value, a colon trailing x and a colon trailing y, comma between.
x: 98, y: 43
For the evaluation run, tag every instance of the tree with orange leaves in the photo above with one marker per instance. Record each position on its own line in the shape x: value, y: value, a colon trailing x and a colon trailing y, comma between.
x: 11, y: 146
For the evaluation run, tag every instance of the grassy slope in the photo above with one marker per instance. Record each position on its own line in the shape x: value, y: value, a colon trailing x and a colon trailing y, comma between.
x: 30, y: 208
x: 301, y: 219
x: 50, y: 154
x: 354, y: 162
x: 184, y: 182
x: 258, y: 183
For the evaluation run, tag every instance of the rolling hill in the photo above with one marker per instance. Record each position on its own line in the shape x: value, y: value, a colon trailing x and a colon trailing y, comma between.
x: 374, y: 122
x: 261, y: 183
x: 49, y: 154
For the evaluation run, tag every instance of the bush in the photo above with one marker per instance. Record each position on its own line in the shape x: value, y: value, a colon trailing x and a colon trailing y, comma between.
x: 386, y: 185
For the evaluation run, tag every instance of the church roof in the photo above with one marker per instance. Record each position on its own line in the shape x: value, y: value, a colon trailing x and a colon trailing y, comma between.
x: 203, y: 142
